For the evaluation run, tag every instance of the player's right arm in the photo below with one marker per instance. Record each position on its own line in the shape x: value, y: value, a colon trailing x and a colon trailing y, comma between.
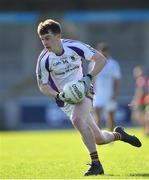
x: 42, y: 75
x: 47, y: 90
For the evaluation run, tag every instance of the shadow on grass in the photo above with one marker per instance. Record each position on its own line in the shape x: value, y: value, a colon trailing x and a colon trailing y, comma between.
x: 134, y: 174
x: 112, y: 175
x: 140, y: 174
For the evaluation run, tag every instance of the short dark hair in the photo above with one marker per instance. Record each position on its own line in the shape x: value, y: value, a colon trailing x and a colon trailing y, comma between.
x: 49, y: 25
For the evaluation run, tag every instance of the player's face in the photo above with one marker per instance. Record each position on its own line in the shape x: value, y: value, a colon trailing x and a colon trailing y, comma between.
x: 50, y: 41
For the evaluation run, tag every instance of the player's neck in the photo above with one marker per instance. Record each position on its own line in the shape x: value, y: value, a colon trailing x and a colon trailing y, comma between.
x: 59, y: 50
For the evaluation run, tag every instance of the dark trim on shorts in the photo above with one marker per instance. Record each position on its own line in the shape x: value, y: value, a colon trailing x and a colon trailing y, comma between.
x: 89, y: 97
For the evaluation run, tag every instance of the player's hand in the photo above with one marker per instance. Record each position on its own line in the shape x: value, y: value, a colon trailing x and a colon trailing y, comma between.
x: 61, y: 96
x: 87, y: 81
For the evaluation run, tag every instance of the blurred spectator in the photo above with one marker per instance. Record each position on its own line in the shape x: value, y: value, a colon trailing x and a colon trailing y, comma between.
x: 107, y: 85
x: 140, y: 101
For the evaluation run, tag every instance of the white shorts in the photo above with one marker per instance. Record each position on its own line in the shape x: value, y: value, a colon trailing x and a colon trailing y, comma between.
x: 68, y: 109
x: 107, y: 104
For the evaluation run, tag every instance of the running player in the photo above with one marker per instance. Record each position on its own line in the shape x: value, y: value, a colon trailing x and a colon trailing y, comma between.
x: 140, y: 102
x: 107, y: 85
x: 59, y: 63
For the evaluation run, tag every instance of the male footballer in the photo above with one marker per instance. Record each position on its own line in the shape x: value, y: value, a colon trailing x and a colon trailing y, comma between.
x: 60, y: 62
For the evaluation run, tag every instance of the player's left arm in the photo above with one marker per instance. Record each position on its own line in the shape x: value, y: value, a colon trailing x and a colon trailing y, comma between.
x: 99, y: 63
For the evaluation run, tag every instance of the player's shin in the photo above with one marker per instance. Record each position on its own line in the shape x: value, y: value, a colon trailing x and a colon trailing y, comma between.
x: 86, y: 134
x: 101, y: 136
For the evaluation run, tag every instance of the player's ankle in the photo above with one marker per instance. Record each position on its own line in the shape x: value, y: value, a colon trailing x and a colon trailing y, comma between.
x: 117, y: 136
x: 94, y: 156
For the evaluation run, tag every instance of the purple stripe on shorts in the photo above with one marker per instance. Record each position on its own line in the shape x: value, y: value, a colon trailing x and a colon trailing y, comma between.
x: 79, y: 51
x: 53, y: 85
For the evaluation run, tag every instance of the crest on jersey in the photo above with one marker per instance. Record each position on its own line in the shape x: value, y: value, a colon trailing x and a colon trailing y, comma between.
x: 73, y: 58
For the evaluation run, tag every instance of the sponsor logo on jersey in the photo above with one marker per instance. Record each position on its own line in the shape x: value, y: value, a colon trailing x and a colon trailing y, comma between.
x: 64, y: 60
x: 69, y: 69
x: 56, y: 63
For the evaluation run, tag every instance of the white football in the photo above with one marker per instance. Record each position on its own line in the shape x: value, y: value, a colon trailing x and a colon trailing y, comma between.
x: 75, y: 91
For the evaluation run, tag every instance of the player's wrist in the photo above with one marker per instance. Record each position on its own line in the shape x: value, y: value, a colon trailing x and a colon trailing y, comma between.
x: 60, y: 97
x: 57, y: 97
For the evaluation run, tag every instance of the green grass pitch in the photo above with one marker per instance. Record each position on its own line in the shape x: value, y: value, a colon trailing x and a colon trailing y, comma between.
x: 62, y: 155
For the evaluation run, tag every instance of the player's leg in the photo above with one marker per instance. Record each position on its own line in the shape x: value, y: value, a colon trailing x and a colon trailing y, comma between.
x: 104, y: 137
x: 98, y: 104
x: 110, y: 108
x: 125, y: 137
x: 97, y: 114
x: 110, y: 120
x: 78, y: 118
x: 101, y: 136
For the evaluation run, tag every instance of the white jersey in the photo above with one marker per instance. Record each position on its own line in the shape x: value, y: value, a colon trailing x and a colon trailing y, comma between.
x: 104, y: 81
x: 57, y: 70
